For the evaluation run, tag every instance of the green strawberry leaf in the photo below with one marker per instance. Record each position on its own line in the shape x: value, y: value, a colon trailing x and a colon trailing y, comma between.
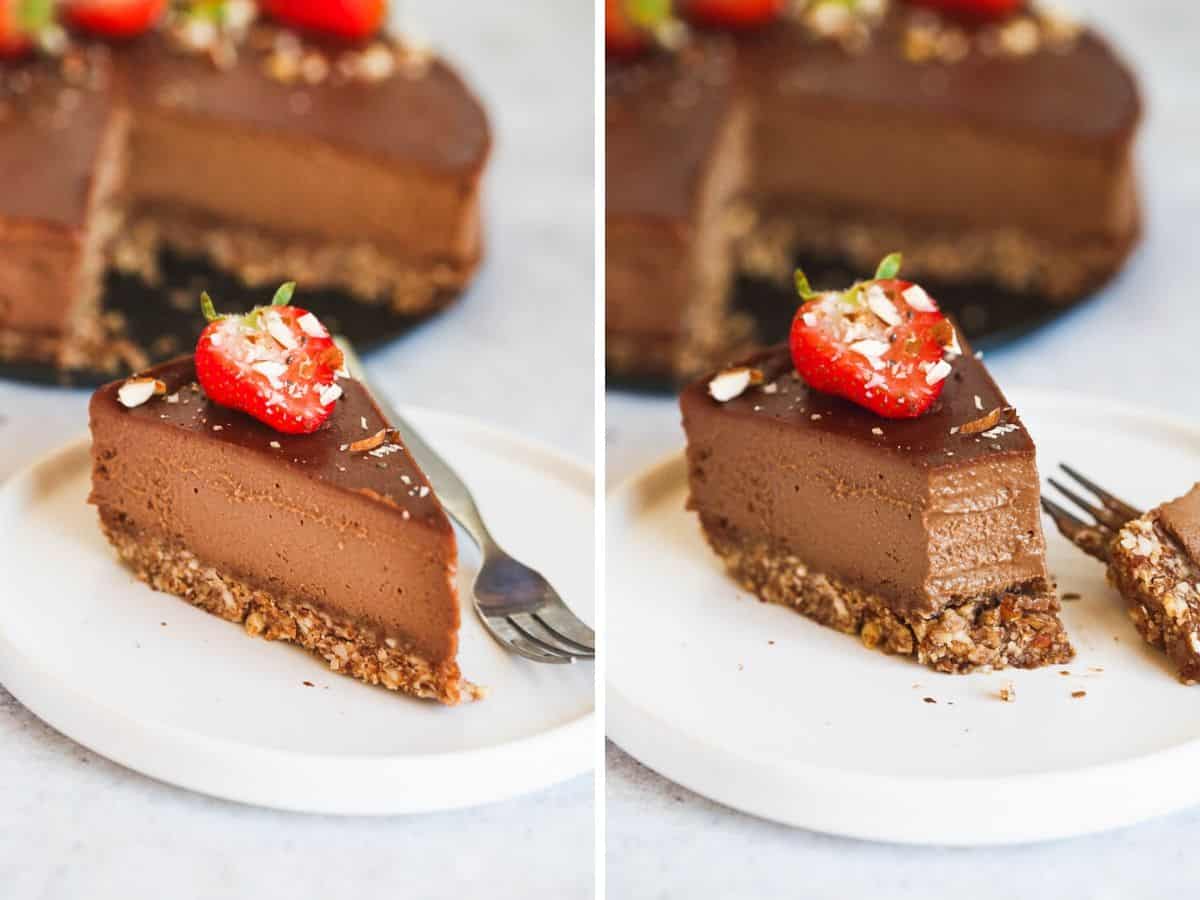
x: 283, y: 296
x: 889, y: 266
x: 803, y: 288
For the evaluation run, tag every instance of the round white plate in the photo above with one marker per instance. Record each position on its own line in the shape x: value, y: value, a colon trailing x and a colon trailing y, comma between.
x: 159, y: 686
x: 757, y: 707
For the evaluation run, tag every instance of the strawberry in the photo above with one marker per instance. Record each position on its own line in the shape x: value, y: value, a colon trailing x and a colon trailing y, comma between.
x: 882, y: 344
x: 22, y: 22
x: 629, y: 25
x: 353, y: 19
x: 277, y: 363
x: 734, y: 14
x: 115, y: 18
x: 978, y: 9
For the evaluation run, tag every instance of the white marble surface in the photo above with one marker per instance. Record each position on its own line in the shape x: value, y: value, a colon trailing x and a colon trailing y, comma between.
x: 517, y: 352
x: 1134, y: 344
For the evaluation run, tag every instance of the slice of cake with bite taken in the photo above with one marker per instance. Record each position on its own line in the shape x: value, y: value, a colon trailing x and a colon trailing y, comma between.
x: 874, y: 478
x: 255, y: 483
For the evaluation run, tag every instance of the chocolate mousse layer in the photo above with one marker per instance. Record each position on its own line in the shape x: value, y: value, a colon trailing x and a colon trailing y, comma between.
x: 921, y: 535
x: 1155, y: 563
x: 307, y: 538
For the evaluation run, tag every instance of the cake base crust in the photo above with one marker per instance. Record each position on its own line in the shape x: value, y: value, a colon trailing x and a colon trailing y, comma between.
x: 346, y: 648
x: 1162, y: 585
x: 1019, y: 629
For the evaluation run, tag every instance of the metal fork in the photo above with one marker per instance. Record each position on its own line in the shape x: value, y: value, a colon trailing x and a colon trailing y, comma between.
x: 1108, y: 516
x: 519, y: 607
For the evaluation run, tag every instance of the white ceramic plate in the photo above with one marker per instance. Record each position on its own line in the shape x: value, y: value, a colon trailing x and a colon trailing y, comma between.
x: 756, y: 707
x: 150, y: 682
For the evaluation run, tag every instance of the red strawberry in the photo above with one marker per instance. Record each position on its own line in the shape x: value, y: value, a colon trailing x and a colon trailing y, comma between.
x: 21, y: 23
x: 115, y: 18
x: 276, y: 363
x: 882, y: 344
x: 736, y: 14
x: 629, y: 25
x: 980, y: 9
x: 351, y: 19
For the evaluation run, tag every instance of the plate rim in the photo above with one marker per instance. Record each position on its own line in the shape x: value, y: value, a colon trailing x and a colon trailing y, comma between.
x: 778, y: 788
x: 529, y: 763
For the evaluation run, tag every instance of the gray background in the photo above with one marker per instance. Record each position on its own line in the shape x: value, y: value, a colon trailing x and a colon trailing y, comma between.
x: 517, y: 352
x: 1134, y: 343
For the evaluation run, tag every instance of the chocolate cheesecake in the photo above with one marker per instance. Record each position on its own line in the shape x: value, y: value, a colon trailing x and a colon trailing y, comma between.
x: 1154, y: 562
x: 998, y: 156
x: 333, y: 540
x: 350, y: 167
x: 922, y: 536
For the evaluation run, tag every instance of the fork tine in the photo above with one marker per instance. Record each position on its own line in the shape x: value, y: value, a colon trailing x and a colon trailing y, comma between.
x: 1118, y: 506
x: 529, y: 630
x: 1101, y: 514
x: 518, y: 643
x: 564, y: 623
x: 1091, y: 539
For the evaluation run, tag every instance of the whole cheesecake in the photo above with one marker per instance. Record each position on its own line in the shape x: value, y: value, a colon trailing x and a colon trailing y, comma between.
x: 352, y: 167
x: 997, y: 155
x: 333, y: 540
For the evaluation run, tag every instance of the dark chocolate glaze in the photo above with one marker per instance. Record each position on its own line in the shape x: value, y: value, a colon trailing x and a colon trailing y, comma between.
x: 1084, y: 94
x: 48, y: 162
x: 431, y: 120
x: 51, y: 138
x: 664, y: 115
x: 924, y: 442
x: 393, y: 479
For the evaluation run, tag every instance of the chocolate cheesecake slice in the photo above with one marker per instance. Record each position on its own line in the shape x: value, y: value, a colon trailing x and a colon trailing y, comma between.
x: 351, y: 167
x: 333, y: 540
x: 1154, y: 562
x: 996, y: 155
x: 922, y: 536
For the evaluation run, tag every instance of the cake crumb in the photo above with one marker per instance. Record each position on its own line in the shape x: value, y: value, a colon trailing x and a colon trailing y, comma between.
x: 877, y: 431
x: 308, y: 684
x: 276, y: 445
x: 929, y: 700
x: 1078, y: 695
x: 1008, y: 692
x: 1064, y: 672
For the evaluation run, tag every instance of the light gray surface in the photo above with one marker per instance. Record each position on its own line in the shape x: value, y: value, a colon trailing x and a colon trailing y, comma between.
x: 1133, y: 344
x: 516, y: 352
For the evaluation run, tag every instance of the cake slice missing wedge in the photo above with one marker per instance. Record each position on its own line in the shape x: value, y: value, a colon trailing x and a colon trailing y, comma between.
x: 333, y: 540
x: 922, y: 535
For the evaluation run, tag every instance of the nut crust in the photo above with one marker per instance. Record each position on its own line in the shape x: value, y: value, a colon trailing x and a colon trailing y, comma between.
x: 1019, y: 628
x: 346, y: 648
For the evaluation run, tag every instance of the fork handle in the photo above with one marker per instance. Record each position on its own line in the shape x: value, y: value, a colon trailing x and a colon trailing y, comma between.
x: 453, y: 493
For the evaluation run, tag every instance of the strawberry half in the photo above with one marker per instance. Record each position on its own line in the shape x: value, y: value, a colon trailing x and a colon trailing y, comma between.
x: 734, y: 14
x: 277, y: 363
x: 979, y: 9
x: 352, y: 19
x: 629, y: 25
x: 115, y: 18
x: 22, y: 22
x: 882, y: 344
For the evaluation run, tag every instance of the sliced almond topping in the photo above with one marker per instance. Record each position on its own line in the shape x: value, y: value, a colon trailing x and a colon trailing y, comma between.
x: 879, y: 303
x: 137, y: 390
x: 937, y: 372
x: 916, y: 297
x: 281, y: 332
x: 870, y: 348
x: 733, y: 382
x: 383, y: 436
x: 1008, y: 692
x: 983, y: 423
x: 312, y: 326
x: 330, y: 394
